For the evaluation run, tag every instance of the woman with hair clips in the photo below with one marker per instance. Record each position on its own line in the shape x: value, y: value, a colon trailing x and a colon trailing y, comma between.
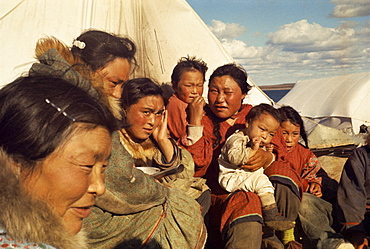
x: 55, y: 141
x: 104, y: 59
x: 141, y: 204
x: 235, y: 219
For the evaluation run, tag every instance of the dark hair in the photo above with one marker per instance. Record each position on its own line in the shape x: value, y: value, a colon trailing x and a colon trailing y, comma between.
x: 100, y: 48
x: 136, y: 89
x: 288, y: 113
x: 38, y: 113
x: 257, y: 110
x: 236, y: 72
x: 187, y: 64
x: 240, y: 76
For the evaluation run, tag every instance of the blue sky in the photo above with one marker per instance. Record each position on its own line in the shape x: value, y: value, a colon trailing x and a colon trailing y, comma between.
x: 282, y: 41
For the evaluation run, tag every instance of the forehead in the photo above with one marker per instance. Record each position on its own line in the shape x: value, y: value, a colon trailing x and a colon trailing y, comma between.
x: 267, y: 119
x: 119, y: 68
x: 154, y: 102
x: 191, y: 74
x: 224, y: 82
x: 287, y: 125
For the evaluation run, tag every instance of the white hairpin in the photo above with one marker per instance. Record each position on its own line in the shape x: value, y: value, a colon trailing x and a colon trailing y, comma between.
x: 79, y: 44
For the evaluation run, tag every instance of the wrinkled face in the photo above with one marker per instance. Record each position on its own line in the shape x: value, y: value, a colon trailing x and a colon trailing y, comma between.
x: 263, y: 127
x: 144, y: 117
x: 291, y: 134
x: 224, y: 96
x: 190, y: 86
x: 114, y: 74
x: 70, y: 178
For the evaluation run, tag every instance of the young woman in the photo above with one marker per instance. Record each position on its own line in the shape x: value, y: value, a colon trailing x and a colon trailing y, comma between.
x: 54, y: 148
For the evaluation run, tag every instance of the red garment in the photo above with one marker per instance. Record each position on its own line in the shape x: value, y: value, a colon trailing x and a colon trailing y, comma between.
x: 296, y: 168
x: 226, y: 209
x: 177, y: 117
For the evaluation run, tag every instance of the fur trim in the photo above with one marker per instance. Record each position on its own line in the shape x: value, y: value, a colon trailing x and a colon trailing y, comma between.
x: 44, y: 44
x: 27, y: 219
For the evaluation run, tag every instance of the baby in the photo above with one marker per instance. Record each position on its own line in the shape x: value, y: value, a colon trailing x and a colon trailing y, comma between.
x: 262, y: 122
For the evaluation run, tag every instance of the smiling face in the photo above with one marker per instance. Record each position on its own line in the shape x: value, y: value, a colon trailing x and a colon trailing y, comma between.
x: 264, y: 127
x: 70, y: 178
x: 144, y: 117
x: 114, y: 74
x: 224, y: 96
x: 291, y: 134
x: 190, y: 86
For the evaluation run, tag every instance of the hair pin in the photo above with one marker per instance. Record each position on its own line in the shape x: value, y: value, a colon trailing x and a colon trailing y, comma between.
x: 79, y: 44
x: 59, y: 110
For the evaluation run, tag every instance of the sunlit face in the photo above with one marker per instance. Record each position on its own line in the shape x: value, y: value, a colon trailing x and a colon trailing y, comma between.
x: 144, y: 117
x: 291, y: 134
x: 70, y: 178
x: 190, y: 86
x: 224, y: 96
x: 114, y: 74
x: 263, y: 127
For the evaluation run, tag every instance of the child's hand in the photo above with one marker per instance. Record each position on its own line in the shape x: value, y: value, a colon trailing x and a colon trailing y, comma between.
x: 161, y: 132
x: 196, y: 110
x: 270, y: 148
x: 256, y: 141
x: 315, y: 189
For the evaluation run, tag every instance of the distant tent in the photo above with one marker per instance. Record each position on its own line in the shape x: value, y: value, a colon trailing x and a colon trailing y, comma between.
x: 340, y: 102
x: 164, y: 31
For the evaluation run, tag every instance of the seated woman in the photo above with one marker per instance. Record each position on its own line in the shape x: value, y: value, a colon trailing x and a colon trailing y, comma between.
x: 136, y: 210
x: 146, y: 138
x: 55, y: 141
x: 235, y: 220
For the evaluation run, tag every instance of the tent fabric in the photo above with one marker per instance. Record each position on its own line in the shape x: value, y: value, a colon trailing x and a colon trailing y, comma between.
x: 163, y: 30
x: 344, y: 96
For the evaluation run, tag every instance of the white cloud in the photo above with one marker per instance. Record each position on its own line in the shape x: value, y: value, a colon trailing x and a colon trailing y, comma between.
x: 353, y: 8
x: 304, y: 49
x: 227, y: 30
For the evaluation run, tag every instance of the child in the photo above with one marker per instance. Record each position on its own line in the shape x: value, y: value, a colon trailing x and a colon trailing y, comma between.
x: 262, y: 122
x: 187, y: 80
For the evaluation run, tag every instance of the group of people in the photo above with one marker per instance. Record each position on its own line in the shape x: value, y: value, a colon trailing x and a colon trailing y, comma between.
x: 75, y: 131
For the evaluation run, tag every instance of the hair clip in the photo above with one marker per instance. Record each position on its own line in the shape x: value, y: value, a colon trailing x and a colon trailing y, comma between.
x: 79, y: 44
x: 59, y: 110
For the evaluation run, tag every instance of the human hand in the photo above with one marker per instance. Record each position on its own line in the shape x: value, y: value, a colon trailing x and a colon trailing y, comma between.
x: 315, y: 189
x: 196, y: 110
x: 270, y: 148
x: 260, y: 159
x: 256, y: 141
x: 161, y: 132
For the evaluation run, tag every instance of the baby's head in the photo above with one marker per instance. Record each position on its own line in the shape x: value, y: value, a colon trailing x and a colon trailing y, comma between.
x: 262, y: 122
x: 188, y: 78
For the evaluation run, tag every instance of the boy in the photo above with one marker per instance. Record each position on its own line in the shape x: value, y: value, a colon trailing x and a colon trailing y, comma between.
x: 262, y: 122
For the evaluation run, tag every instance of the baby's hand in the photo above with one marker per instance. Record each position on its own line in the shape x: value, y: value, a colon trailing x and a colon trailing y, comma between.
x: 255, y: 145
x: 269, y: 148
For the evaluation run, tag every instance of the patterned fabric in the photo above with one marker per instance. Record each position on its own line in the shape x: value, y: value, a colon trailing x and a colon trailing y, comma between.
x: 138, y: 212
x: 296, y: 169
x: 226, y: 209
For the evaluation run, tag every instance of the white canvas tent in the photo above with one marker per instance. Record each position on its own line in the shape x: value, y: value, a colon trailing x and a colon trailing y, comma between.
x: 164, y: 31
x: 340, y: 102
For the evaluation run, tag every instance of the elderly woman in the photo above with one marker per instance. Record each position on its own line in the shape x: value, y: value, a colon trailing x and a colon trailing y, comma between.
x: 136, y: 210
x: 54, y: 148
x: 235, y: 220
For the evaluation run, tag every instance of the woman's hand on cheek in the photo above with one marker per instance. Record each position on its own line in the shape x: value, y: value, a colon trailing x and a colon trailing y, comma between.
x: 161, y: 132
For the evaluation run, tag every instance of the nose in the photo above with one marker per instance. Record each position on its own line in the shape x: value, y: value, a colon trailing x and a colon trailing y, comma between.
x: 194, y: 89
x: 117, y: 92
x: 289, y: 138
x: 151, y: 119
x: 220, y: 97
x: 97, y: 186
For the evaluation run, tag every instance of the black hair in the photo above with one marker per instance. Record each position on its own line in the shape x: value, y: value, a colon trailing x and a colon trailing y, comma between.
x: 100, y: 48
x: 257, y: 110
x: 37, y: 113
x: 186, y: 64
x: 288, y: 113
